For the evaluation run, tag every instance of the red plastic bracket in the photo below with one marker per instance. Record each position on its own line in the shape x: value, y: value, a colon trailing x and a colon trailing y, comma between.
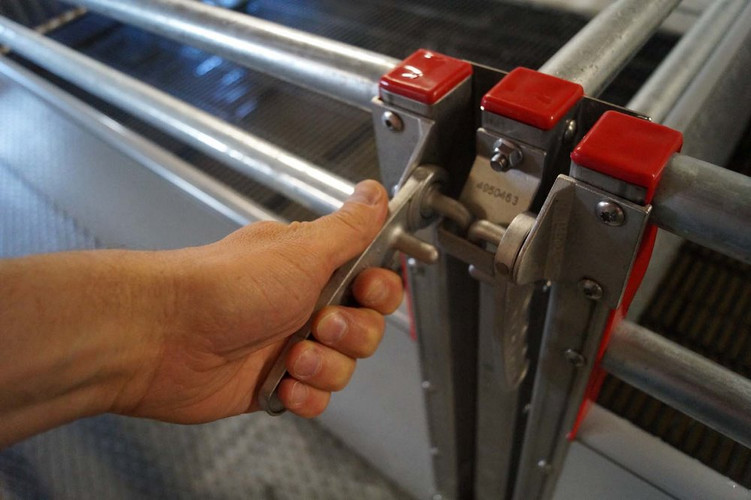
x: 635, y: 151
x: 533, y: 98
x: 426, y: 76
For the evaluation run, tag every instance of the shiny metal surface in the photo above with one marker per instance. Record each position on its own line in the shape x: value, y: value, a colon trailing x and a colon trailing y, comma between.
x: 706, y: 204
x: 311, y: 186
x: 341, y: 71
x: 598, y: 52
x: 399, y: 225
x: 686, y: 381
x: 184, y: 176
x: 666, y: 85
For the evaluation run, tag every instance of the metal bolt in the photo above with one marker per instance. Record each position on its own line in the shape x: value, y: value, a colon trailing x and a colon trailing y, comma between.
x: 506, y: 155
x: 591, y: 289
x: 392, y: 121
x: 610, y: 213
x: 570, y: 131
x: 574, y: 357
x: 544, y: 466
x: 426, y: 385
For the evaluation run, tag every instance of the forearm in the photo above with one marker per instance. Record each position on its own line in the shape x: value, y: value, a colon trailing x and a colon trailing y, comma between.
x: 72, y: 328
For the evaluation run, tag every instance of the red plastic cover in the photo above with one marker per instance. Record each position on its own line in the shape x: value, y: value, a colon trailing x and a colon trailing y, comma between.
x: 532, y: 97
x: 628, y: 148
x: 426, y: 76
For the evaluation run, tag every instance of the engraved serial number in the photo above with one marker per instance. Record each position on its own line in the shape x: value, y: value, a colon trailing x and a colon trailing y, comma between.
x: 497, y: 192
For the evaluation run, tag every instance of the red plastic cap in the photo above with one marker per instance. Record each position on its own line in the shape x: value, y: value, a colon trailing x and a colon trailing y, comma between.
x: 426, y: 76
x: 628, y: 148
x: 532, y: 97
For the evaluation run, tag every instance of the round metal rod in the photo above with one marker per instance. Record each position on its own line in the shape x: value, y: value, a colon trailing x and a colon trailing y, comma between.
x: 706, y: 204
x: 595, y: 55
x: 658, y: 95
x: 307, y: 184
x: 682, y: 379
x: 341, y: 71
x: 186, y: 177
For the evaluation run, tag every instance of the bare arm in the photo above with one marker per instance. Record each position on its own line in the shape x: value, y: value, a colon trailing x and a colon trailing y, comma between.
x: 186, y: 335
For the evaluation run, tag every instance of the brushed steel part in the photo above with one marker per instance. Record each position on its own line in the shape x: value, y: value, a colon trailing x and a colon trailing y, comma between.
x: 394, y: 233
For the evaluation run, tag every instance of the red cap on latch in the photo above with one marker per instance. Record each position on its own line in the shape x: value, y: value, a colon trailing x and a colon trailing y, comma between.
x: 426, y: 76
x: 628, y: 148
x: 532, y: 97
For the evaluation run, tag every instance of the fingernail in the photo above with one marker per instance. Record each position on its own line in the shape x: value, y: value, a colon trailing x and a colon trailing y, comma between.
x: 367, y: 192
x: 307, y: 365
x: 331, y: 328
x: 298, y: 395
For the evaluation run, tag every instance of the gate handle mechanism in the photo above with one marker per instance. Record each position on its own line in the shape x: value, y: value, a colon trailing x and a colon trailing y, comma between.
x: 409, y: 211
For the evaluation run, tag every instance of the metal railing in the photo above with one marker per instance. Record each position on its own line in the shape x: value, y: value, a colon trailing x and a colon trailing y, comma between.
x: 341, y: 71
x: 682, y: 379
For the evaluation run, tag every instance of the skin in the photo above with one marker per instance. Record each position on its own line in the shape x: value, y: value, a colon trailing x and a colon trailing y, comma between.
x: 187, y: 335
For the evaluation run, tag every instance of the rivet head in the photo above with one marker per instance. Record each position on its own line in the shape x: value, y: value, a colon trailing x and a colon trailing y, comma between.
x: 392, y: 121
x: 610, y: 213
x: 544, y: 466
x: 574, y: 357
x: 592, y: 290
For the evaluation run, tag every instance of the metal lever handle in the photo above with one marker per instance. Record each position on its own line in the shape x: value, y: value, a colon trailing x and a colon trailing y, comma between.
x: 405, y: 216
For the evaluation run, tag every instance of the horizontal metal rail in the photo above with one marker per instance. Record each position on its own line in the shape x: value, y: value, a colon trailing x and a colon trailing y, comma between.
x: 186, y: 177
x: 307, y: 184
x: 341, y: 71
x: 657, y: 97
x: 595, y: 55
x: 706, y: 204
x: 682, y: 379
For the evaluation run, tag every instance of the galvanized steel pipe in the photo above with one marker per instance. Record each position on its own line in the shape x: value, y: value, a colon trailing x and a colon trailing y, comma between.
x: 706, y: 204
x: 684, y: 380
x: 341, y: 71
x: 657, y: 97
x: 595, y: 55
x: 307, y: 184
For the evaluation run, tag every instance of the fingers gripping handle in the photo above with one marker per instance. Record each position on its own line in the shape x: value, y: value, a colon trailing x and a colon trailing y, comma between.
x: 405, y: 217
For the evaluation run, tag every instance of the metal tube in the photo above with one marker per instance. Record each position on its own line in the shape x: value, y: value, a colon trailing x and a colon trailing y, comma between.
x: 346, y: 73
x: 307, y: 184
x: 658, y: 95
x: 682, y: 379
x: 705, y: 204
x: 189, y: 179
x: 595, y: 55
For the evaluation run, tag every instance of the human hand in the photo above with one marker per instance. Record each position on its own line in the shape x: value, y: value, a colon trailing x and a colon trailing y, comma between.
x: 233, y: 303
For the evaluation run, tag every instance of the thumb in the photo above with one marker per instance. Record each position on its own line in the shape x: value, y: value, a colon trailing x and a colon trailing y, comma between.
x: 342, y: 235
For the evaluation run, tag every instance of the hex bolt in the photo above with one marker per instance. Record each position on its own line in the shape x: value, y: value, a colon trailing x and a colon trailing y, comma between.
x: 591, y: 289
x: 506, y: 155
x: 570, y: 131
x: 610, y: 213
x: 392, y: 121
x: 574, y: 357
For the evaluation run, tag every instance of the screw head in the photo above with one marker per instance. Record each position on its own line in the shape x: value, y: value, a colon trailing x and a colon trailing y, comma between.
x: 610, y: 213
x: 426, y: 385
x: 591, y: 289
x: 392, y: 121
x: 574, y: 357
x: 570, y: 131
